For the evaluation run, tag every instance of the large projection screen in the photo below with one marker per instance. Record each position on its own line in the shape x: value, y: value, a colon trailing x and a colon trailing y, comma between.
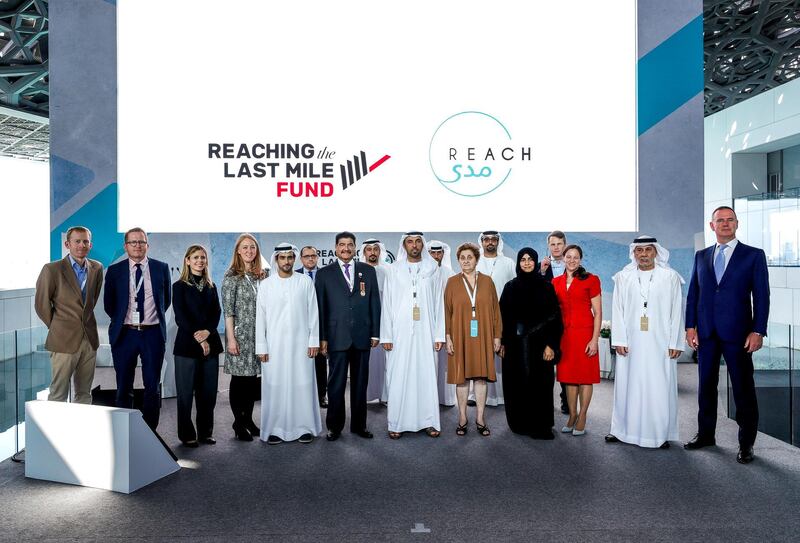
x: 252, y: 115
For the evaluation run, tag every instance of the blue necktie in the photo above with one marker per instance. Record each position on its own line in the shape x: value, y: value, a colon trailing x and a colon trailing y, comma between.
x: 719, y: 263
x: 140, y: 293
x: 311, y: 274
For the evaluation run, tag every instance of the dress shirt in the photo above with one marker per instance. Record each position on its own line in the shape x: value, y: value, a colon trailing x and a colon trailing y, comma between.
x: 150, y: 315
x: 351, y: 269
x: 308, y: 272
x: 558, y: 266
x: 728, y: 252
x: 81, y: 274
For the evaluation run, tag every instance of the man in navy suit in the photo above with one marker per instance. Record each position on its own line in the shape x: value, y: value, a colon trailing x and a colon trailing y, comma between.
x: 721, y: 321
x: 349, y: 319
x: 309, y: 257
x: 138, y: 293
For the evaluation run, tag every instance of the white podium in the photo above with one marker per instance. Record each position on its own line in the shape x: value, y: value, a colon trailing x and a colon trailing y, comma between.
x: 92, y: 445
x: 606, y: 358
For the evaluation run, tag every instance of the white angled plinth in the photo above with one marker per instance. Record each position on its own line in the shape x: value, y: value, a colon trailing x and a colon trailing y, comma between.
x: 91, y: 445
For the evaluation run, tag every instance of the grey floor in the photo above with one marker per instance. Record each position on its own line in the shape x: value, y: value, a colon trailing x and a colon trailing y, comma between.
x: 502, y: 488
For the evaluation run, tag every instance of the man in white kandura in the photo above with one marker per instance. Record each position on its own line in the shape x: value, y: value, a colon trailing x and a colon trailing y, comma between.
x: 412, y: 331
x: 287, y: 340
x: 501, y: 269
x: 647, y: 333
x: 374, y: 253
x: 440, y: 252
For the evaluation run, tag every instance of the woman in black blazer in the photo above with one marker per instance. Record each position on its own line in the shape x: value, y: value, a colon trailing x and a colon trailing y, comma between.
x: 197, y: 347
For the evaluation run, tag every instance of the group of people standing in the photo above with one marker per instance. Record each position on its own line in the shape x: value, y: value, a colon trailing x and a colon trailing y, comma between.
x: 414, y: 334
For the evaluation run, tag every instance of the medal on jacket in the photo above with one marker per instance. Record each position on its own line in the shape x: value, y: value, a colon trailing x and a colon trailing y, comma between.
x: 363, y: 288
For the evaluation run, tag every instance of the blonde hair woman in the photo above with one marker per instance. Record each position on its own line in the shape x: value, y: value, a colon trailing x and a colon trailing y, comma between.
x: 239, y: 294
x: 197, y: 347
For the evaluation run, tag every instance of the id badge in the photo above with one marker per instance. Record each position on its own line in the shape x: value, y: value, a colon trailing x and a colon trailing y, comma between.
x: 415, y: 313
x: 644, y: 324
x: 473, y: 328
x: 135, y: 318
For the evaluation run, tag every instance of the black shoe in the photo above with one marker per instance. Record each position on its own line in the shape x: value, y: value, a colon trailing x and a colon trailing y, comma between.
x: 698, y: 442
x: 241, y: 433
x: 274, y: 440
x: 208, y: 440
x: 745, y: 455
x: 471, y: 403
x: 192, y: 443
x: 332, y: 436
x: 366, y: 434
x: 564, y: 409
x: 323, y: 403
x: 306, y: 438
x: 664, y: 445
x: 251, y: 427
x: 611, y: 438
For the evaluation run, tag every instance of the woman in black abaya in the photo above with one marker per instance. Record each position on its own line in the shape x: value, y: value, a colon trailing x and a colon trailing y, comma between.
x: 532, y: 331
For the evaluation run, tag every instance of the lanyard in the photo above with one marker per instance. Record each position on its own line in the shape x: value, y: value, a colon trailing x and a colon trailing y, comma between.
x: 472, y: 294
x: 491, y: 272
x: 414, y: 280
x: 252, y: 286
x: 645, y: 297
x: 138, y: 286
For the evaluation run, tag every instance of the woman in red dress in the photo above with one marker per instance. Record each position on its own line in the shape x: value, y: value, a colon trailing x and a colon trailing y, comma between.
x: 578, y: 295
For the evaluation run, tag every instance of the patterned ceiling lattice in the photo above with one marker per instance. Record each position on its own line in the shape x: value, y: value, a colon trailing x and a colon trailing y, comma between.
x: 750, y: 46
x: 24, y: 85
x: 23, y: 138
x: 24, y: 55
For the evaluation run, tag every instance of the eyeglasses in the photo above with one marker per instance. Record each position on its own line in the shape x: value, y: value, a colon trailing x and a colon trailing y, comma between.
x: 136, y: 242
x: 490, y: 238
x: 308, y: 256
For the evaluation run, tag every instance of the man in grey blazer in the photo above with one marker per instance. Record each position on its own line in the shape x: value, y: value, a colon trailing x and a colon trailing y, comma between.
x: 66, y: 293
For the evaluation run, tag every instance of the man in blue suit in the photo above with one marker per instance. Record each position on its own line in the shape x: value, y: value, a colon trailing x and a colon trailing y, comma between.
x: 137, y: 294
x: 349, y: 322
x: 722, y: 321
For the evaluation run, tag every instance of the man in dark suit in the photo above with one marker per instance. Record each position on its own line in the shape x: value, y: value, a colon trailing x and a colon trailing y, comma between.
x: 66, y: 293
x: 552, y: 266
x: 138, y: 293
x: 721, y: 321
x: 349, y: 318
x: 309, y: 257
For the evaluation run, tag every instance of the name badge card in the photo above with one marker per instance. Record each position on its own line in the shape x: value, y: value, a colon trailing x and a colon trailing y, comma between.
x: 473, y: 328
x: 415, y: 313
x: 644, y: 324
x: 135, y: 318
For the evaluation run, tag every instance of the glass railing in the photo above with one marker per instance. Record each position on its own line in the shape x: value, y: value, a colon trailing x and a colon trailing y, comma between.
x: 24, y: 372
x: 777, y: 378
x: 772, y: 222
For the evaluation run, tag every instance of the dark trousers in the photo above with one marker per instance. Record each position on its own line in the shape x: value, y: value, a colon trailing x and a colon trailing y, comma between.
x: 147, y: 344
x: 321, y: 368
x: 196, y: 378
x: 338, y: 361
x: 740, y: 369
x: 243, y: 393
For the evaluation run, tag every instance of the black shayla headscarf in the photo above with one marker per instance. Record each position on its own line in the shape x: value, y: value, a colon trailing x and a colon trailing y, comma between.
x: 535, y: 256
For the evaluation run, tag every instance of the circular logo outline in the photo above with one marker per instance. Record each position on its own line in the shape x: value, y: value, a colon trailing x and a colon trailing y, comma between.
x: 444, y: 183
